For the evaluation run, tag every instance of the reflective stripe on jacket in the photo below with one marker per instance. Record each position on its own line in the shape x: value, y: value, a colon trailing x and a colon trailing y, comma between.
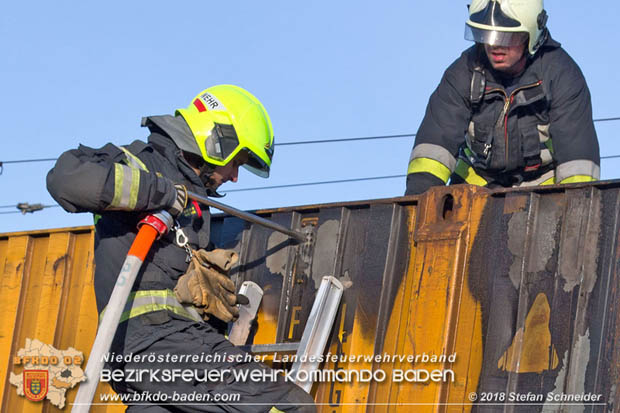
x: 120, y: 185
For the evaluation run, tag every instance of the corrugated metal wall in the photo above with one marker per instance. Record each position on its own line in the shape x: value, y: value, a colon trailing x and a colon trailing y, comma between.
x: 46, y: 293
x: 522, y: 285
x: 406, y: 261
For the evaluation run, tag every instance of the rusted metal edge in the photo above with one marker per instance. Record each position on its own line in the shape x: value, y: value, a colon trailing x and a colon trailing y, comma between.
x: 45, y: 232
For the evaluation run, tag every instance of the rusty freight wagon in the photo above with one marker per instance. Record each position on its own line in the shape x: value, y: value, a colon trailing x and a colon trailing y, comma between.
x: 459, y: 299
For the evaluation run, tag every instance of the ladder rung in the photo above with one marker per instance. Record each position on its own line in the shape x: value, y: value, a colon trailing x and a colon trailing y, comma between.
x: 316, y: 332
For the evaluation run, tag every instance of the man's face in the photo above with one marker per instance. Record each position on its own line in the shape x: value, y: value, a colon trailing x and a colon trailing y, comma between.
x: 228, y: 172
x: 507, y: 59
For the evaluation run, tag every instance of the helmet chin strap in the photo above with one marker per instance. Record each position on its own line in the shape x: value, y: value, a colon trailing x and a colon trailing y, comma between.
x: 541, y: 40
x: 206, y: 169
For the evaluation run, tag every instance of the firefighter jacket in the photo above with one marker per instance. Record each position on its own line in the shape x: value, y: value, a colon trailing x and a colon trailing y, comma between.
x: 120, y: 185
x: 483, y: 129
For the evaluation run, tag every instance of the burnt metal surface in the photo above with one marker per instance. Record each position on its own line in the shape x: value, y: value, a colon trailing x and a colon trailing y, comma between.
x: 522, y: 284
x: 541, y: 265
x: 548, y: 285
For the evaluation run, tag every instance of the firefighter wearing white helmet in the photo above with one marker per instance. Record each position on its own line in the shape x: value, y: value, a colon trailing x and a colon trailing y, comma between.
x: 182, y: 299
x: 513, y: 110
x: 507, y: 23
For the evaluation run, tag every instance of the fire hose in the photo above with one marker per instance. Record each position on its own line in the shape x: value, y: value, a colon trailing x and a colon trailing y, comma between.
x: 149, y: 229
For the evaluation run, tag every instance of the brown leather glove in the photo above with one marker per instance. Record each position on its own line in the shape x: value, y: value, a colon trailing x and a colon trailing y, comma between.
x: 207, y: 287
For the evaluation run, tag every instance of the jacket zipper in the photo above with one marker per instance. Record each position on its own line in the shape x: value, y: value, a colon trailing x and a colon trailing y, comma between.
x: 507, y: 102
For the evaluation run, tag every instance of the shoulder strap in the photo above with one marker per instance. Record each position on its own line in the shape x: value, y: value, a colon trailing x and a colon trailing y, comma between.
x: 478, y: 85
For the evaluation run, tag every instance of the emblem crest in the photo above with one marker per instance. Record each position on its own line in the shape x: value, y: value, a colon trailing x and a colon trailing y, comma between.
x: 35, y: 384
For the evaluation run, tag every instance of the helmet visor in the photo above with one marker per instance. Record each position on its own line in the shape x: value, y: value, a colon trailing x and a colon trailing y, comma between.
x: 495, y: 37
x: 256, y: 165
x: 222, y: 142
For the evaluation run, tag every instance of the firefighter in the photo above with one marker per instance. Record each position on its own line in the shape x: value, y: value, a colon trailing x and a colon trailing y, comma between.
x: 512, y: 110
x: 198, y: 149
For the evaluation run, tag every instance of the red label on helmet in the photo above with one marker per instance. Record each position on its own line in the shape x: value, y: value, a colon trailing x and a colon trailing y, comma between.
x: 199, y: 105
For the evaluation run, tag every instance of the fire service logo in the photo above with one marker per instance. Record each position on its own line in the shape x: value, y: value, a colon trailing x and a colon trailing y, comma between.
x: 46, y: 373
x: 35, y: 384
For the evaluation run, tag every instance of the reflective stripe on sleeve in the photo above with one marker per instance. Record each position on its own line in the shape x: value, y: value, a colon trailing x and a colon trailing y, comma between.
x: 549, y: 181
x: 143, y: 302
x: 468, y: 174
x: 132, y: 160
x: 135, y: 186
x: 126, y: 186
x: 580, y: 167
x: 435, y: 152
x: 430, y: 166
x: 548, y: 178
x: 577, y: 178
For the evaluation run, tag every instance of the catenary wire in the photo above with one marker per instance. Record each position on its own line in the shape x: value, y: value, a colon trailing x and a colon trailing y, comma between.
x: 337, y: 181
x: 318, y: 141
x: 303, y: 183
x: 317, y: 183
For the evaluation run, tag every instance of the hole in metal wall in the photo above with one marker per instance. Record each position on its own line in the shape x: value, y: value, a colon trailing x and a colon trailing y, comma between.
x: 447, y: 210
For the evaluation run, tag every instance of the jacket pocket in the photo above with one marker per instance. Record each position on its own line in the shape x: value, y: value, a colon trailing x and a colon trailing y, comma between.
x: 480, y: 141
x: 531, y: 142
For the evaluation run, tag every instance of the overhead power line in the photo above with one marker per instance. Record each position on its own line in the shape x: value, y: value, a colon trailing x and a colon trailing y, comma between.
x: 27, y: 208
x: 338, y: 181
x: 363, y: 138
x: 318, y: 141
x: 606, y: 119
x: 28, y: 160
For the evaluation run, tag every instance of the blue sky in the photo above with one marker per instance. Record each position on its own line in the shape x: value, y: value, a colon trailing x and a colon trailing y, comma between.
x: 83, y: 72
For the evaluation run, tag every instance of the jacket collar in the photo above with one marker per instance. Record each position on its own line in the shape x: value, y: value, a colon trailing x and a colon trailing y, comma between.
x: 533, y: 70
x: 164, y: 129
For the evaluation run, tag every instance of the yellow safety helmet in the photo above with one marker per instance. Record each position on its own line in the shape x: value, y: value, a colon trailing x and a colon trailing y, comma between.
x: 507, y: 23
x: 225, y: 120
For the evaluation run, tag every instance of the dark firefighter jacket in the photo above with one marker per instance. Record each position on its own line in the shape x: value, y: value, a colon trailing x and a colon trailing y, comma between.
x: 119, y: 185
x: 485, y: 130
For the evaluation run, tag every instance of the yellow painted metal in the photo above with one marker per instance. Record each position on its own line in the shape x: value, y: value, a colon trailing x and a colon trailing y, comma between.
x: 46, y: 293
x: 267, y: 317
x: 382, y: 393
x: 531, y: 350
x: 434, y: 313
x: 12, y: 276
x: 439, y: 315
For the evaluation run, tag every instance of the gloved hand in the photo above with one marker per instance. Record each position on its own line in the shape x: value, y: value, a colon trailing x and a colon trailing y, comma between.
x: 207, y: 287
x: 180, y: 202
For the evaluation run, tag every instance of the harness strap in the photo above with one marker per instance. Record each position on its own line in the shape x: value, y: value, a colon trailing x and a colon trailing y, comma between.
x: 478, y: 86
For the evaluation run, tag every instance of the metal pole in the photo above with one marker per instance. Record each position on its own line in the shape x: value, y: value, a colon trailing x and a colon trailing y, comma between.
x: 247, y: 216
x: 155, y: 226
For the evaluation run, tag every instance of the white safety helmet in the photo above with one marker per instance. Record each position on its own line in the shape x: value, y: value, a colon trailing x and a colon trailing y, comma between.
x: 507, y: 23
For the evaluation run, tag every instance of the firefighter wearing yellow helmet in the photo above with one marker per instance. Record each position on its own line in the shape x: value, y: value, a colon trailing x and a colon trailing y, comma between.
x: 513, y: 110
x: 226, y: 120
x: 180, y: 302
